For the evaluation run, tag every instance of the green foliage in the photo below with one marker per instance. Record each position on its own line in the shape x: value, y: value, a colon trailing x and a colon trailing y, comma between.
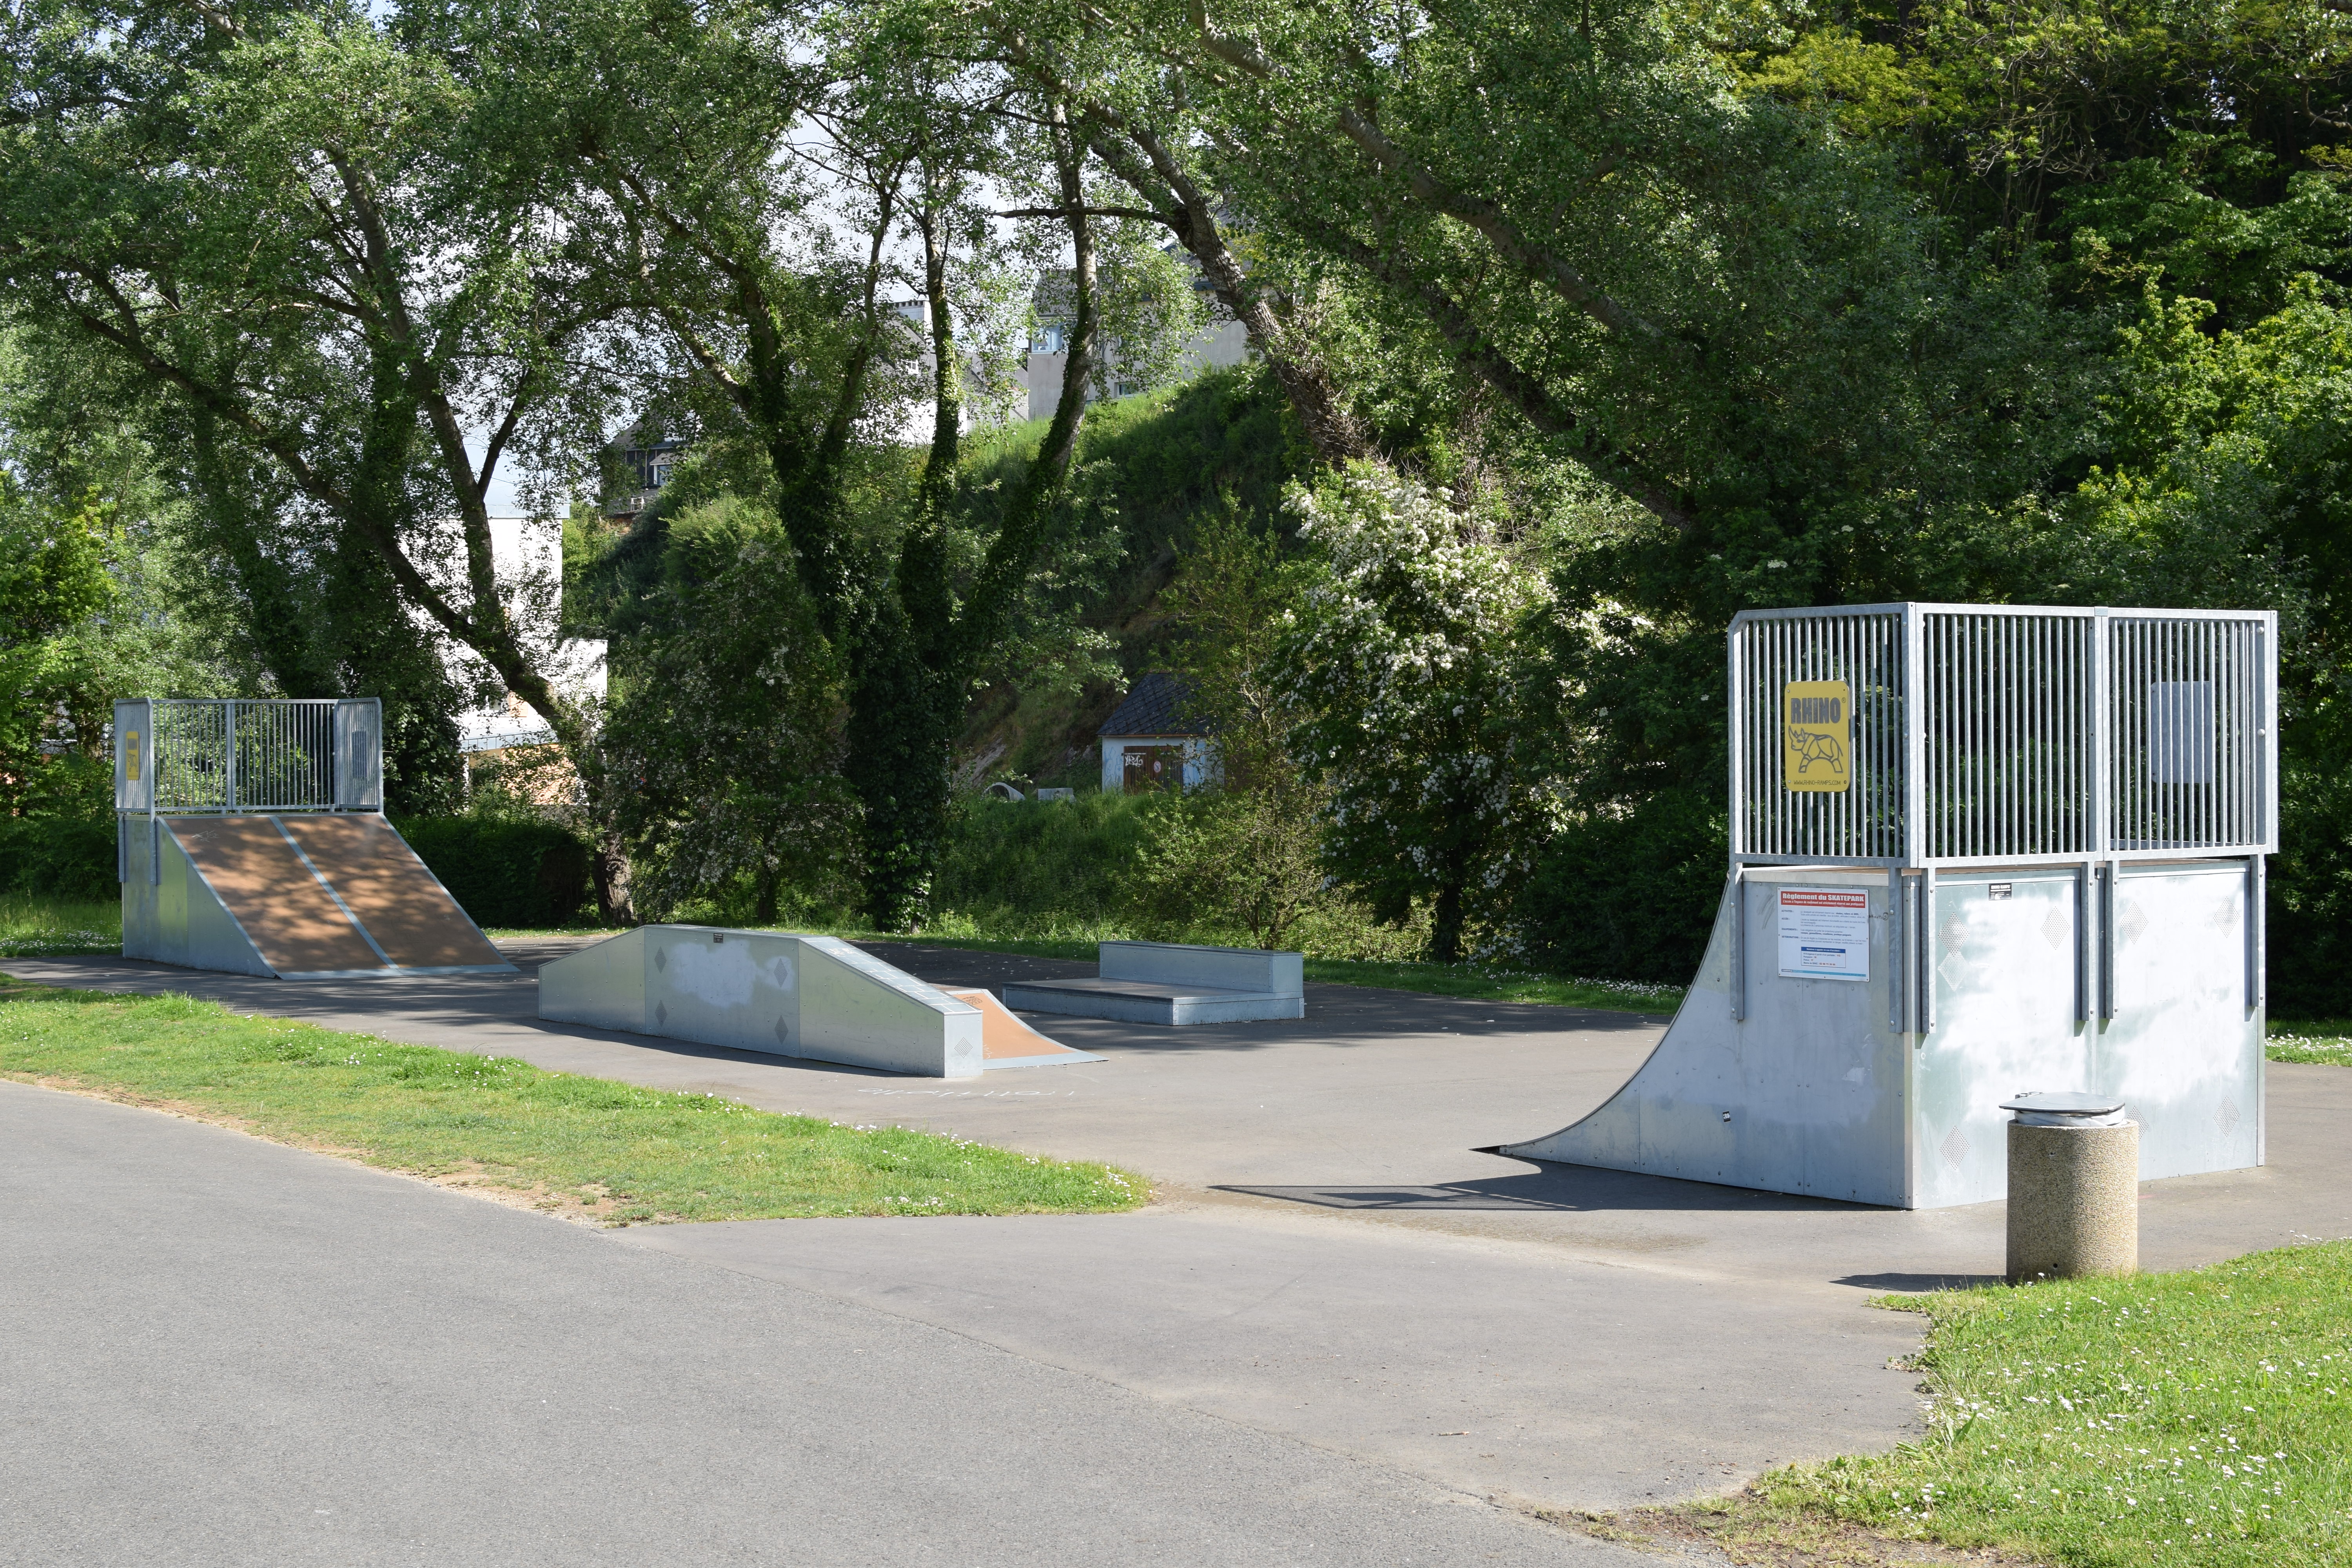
x: 1240, y: 859
x: 505, y: 870
x: 2189, y: 1420
x: 589, y: 1147
x: 1630, y: 896
x: 66, y: 857
x: 1402, y: 669
x: 723, y: 722
x: 1039, y: 867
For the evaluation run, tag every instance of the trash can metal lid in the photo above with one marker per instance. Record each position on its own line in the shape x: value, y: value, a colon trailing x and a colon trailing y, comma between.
x: 2066, y: 1108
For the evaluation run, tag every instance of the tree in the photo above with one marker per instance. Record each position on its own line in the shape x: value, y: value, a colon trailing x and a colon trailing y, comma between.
x: 705, y: 141
x: 724, y: 723
x: 1248, y: 849
x: 1404, y: 667
x: 301, y: 252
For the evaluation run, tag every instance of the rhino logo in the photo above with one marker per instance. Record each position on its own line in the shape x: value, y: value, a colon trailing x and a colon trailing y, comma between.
x: 1818, y: 746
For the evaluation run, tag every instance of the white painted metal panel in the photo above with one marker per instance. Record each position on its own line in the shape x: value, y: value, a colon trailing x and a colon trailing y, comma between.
x: 761, y: 991
x: 604, y: 985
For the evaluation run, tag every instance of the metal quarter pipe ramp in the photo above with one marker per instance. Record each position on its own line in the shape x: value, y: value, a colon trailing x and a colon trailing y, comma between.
x: 251, y: 838
x: 1976, y: 851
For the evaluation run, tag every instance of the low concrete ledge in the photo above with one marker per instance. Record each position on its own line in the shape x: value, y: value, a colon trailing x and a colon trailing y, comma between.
x: 1249, y: 969
x: 814, y: 996
x: 1132, y: 1002
x: 1169, y: 982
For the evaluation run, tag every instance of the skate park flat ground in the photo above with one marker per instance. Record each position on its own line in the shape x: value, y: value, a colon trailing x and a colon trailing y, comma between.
x: 1331, y: 1259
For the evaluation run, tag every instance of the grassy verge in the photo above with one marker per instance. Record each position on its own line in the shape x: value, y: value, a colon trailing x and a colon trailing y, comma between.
x: 2327, y: 1040
x: 2194, y: 1420
x: 35, y: 927
x: 584, y: 1146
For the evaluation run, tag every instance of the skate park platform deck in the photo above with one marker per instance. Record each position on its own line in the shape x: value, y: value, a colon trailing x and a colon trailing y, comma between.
x: 1330, y: 1258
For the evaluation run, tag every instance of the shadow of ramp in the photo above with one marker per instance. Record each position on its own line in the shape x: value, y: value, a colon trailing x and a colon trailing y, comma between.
x: 1550, y: 1189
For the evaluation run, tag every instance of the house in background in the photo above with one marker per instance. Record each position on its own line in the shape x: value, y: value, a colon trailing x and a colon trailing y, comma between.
x: 1148, y: 743
x: 1221, y: 342
x: 527, y: 556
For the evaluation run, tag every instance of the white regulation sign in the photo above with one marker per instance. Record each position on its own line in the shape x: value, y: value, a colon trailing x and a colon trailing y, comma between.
x: 1825, y: 933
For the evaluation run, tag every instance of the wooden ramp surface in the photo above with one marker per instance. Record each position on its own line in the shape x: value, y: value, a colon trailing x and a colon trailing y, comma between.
x: 404, y: 907
x: 289, y: 919
x: 392, y: 907
x: 1005, y: 1038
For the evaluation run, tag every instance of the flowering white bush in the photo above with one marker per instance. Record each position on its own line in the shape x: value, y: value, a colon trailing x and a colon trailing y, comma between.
x: 1403, y: 663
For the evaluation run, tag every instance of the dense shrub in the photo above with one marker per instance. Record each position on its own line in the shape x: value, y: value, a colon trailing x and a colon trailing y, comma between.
x: 60, y: 858
x: 1628, y: 897
x: 1042, y: 865
x: 2310, y: 934
x: 505, y: 871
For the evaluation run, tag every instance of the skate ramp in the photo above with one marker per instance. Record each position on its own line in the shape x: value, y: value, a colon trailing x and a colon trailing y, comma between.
x: 293, y: 898
x: 778, y: 994
x: 1811, y: 1084
x: 391, y: 893
x: 1006, y: 1042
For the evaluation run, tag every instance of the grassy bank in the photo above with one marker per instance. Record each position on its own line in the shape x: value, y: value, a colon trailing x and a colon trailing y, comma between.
x: 584, y: 1146
x: 32, y: 926
x: 2201, y: 1419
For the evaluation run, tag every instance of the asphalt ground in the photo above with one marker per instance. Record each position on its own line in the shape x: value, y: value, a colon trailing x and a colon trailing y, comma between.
x: 215, y: 1350
x: 1332, y: 1261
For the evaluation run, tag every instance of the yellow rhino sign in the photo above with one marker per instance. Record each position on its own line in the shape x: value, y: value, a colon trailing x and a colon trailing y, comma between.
x: 1817, y: 734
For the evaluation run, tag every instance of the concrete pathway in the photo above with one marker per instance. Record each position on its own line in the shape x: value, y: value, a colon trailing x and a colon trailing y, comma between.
x: 216, y: 1350
x: 1333, y: 1260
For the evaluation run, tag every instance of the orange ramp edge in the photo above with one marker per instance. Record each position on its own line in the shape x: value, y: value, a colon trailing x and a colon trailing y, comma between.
x: 1005, y: 1038
x: 403, y: 905
x: 289, y: 919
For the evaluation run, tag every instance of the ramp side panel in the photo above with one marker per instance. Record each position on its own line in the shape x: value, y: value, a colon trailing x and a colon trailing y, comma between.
x: 721, y: 988
x: 2184, y: 1050
x: 2003, y: 969
x: 175, y: 918
x: 856, y: 1009
x: 402, y: 904
x: 1804, y: 1096
x: 602, y: 987
x: 255, y: 875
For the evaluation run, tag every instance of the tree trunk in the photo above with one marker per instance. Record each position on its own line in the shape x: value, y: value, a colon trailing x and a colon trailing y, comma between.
x: 612, y: 872
x: 1445, y: 924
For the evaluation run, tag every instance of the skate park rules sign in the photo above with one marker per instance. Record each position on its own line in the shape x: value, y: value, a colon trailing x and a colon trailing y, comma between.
x: 1824, y: 933
x: 1817, y: 735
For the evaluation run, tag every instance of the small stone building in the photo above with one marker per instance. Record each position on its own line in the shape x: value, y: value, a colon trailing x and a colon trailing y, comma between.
x: 1148, y: 742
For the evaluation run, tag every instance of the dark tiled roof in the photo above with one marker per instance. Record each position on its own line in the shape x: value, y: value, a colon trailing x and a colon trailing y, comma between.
x: 1154, y: 706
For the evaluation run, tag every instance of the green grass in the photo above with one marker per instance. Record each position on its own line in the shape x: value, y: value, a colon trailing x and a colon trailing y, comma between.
x: 583, y: 1145
x: 2323, y: 1040
x: 32, y: 926
x: 2191, y: 1420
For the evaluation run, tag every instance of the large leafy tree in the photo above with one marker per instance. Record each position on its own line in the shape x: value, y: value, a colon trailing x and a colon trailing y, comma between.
x: 296, y: 245
x: 749, y: 174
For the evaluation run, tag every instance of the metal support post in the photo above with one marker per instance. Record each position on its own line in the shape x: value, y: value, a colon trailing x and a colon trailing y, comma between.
x: 1738, y: 982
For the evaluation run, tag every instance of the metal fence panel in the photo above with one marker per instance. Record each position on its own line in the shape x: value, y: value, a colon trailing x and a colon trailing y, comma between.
x: 262, y: 756
x: 2001, y: 735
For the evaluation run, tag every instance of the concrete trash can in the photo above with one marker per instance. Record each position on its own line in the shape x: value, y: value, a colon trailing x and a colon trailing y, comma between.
x: 2073, y: 1186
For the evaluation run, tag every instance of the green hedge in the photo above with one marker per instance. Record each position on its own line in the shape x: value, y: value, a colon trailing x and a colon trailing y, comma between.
x: 505, y: 871
x: 59, y: 858
x: 1628, y: 897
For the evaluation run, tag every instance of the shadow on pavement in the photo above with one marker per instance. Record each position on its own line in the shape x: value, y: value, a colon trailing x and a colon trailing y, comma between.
x: 1920, y: 1284
x: 1554, y: 1188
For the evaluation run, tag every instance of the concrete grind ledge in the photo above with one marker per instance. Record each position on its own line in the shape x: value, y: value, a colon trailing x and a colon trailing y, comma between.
x: 1144, y: 1001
